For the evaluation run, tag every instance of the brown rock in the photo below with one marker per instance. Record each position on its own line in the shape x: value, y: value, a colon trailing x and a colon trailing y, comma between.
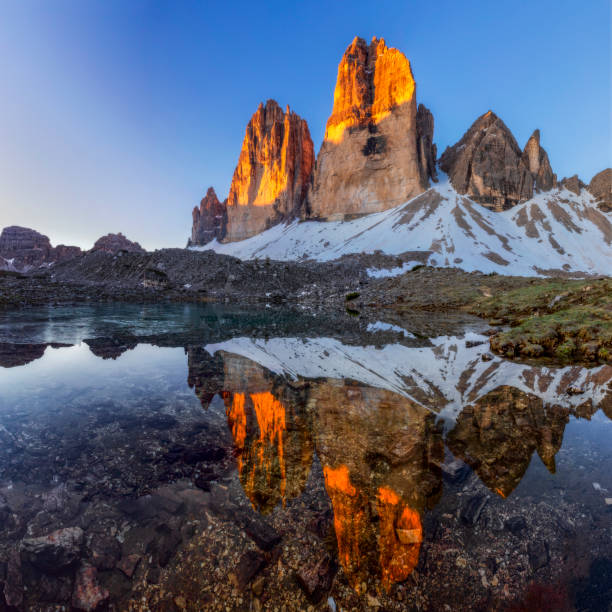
x: 316, y: 577
x: 536, y: 160
x: 209, y: 220
x: 426, y: 148
x: 23, y: 249
x: 250, y: 564
x: 573, y: 184
x: 88, y: 594
x: 369, y: 160
x: 487, y: 164
x: 601, y: 189
x: 113, y: 243
x: 273, y: 172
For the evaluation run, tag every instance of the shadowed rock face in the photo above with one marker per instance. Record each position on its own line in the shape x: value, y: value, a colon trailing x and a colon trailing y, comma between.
x: 426, y: 148
x: 488, y: 165
x: 209, y: 220
x: 498, y: 434
x: 573, y: 184
x: 536, y: 160
x: 601, y: 188
x: 113, y: 243
x: 369, y: 159
x: 273, y: 172
x: 29, y: 249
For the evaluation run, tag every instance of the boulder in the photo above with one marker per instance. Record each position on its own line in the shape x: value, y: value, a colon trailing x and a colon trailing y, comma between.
x: 369, y: 159
x: 209, y: 220
x: 113, y: 243
x: 273, y: 173
x: 54, y: 552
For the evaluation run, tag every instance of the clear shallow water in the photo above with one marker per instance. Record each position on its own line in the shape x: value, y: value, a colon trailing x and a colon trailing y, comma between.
x: 215, y: 458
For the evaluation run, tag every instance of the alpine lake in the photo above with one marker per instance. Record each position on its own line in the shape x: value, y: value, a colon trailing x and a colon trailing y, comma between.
x: 200, y: 457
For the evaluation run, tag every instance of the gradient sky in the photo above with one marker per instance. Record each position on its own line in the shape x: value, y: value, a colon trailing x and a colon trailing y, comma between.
x: 116, y: 115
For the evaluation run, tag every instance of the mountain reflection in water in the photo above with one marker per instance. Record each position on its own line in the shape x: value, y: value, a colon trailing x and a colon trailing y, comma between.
x: 400, y: 441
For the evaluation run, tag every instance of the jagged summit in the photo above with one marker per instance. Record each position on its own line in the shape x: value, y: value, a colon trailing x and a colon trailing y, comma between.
x: 488, y: 165
x: 273, y: 172
x: 209, y: 220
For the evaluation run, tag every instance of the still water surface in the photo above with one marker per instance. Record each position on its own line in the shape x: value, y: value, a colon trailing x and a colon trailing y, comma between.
x: 197, y: 457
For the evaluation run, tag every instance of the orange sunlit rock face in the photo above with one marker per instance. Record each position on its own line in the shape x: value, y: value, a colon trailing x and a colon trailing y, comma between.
x: 273, y: 172
x: 350, y: 521
x: 369, y: 161
x: 400, y: 537
x: 272, y: 440
x: 381, y: 455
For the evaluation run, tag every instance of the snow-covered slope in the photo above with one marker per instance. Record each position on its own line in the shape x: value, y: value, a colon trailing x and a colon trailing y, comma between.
x: 443, y: 378
x: 554, y: 231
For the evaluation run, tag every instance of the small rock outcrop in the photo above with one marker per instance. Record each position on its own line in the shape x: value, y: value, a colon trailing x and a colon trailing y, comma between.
x: 113, y: 243
x: 573, y: 184
x: 209, y: 220
x: 488, y: 165
x: 536, y: 160
x: 273, y: 172
x: 369, y: 159
x: 23, y: 249
x: 601, y: 189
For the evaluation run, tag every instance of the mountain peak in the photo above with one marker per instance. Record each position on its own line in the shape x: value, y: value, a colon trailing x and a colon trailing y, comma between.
x: 489, y: 166
x: 368, y: 160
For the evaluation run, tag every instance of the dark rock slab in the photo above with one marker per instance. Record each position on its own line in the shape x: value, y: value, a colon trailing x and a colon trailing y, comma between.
x: 250, y: 564
x: 316, y: 577
x: 262, y: 533
x: 471, y: 509
x: 538, y: 554
x: 516, y: 525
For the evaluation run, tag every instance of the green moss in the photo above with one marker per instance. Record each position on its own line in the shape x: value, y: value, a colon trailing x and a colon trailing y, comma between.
x: 567, y: 319
x: 352, y: 296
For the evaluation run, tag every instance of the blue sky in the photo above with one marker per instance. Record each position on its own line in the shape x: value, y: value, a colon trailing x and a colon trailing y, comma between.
x: 116, y: 115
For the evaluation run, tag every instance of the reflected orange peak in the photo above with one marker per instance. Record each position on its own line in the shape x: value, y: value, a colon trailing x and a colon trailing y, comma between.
x: 338, y: 478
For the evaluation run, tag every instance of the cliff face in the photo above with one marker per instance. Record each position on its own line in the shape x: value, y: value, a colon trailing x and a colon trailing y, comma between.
x: 488, y: 165
x: 601, y: 188
x: 369, y: 159
x: 113, y: 243
x: 22, y: 249
x: 209, y: 220
x: 273, y: 172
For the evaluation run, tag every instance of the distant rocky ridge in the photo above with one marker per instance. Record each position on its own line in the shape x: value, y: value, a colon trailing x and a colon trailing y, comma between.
x: 23, y: 249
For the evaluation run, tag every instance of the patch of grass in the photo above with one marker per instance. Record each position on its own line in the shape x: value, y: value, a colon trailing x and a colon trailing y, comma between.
x: 565, y: 319
x: 352, y: 296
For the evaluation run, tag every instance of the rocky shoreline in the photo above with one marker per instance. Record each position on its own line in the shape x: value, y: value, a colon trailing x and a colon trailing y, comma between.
x: 578, y: 313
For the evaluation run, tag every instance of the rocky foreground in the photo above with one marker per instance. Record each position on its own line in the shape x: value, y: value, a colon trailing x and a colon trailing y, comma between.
x: 560, y: 319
